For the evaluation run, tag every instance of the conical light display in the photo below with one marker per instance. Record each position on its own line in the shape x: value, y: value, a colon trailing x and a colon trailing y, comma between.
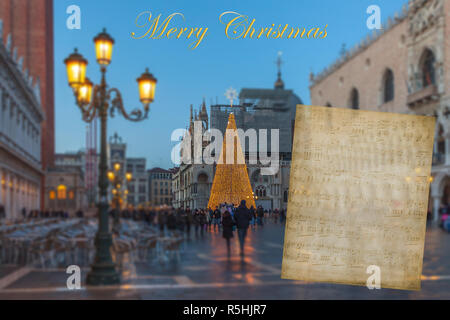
x: 231, y: 183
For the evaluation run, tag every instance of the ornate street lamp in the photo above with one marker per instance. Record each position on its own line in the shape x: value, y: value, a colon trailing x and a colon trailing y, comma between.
x: 100, y: 100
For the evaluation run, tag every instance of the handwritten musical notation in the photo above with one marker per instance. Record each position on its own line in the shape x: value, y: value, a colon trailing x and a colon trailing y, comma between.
x: 358, y: 196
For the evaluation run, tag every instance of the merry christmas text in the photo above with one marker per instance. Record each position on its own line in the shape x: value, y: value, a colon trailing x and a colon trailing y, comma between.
x: 237, y: 26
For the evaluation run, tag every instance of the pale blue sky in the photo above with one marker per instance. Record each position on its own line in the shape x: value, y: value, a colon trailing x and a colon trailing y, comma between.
x: 185, y: 76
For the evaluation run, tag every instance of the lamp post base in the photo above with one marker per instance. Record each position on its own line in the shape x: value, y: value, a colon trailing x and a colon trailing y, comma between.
x: 103, y: 274
x: 103, y: 270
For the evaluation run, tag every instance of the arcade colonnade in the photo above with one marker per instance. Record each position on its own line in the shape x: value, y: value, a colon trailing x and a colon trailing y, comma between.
x: 17, y: 192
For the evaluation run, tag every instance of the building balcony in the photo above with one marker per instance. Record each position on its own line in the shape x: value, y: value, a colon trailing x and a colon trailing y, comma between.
x: 422, y: 96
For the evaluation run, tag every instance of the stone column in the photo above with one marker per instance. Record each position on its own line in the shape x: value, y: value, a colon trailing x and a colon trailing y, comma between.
x: 19, y: 201
x: 18, y: 198
x: 27, y: 196
x: 447, y: 150
x: 33, y: 203
x: 8, y: 196
x: 1, y: 184
x: 436, y: 206
x: 14, y: 197
x: 32, y: 200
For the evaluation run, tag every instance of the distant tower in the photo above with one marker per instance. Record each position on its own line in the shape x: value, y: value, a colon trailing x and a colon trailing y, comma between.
x: 191, y: 121
x: 203, y: 115
x: 279, y: 84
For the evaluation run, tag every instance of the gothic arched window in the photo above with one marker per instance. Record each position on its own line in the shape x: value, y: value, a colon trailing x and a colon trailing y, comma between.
x: 354, y: 99
x: 62, y: 192
x: 427, y: 68
x: 261, y: 191
x: 388, y: 86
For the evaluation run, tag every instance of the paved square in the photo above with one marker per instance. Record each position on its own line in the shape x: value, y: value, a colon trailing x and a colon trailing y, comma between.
x: 205, y: 272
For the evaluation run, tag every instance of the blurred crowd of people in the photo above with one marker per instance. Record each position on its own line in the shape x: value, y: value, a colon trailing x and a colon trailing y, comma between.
x: 226, y: 218
x: 33, y: 214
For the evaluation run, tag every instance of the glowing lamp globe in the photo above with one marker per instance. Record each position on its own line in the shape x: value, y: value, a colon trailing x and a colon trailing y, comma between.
x: 84, y: 92
x: 147, y: 85
x: 129, y: 176
x: 103, y: 48
x: 76, y: 69
x: 111, y: 176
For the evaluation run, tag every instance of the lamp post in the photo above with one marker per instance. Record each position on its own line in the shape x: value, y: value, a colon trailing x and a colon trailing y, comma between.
x: 118, y: 191
x: 99, y: 100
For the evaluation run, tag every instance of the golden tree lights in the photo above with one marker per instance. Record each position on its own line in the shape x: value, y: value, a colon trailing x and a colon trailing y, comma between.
x: 231, y: 182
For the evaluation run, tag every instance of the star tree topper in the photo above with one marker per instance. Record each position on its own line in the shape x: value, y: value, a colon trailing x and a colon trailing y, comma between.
x: 231, y: 95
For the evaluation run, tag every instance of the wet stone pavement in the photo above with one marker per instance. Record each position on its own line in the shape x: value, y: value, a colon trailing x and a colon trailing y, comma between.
x: 205, y: 272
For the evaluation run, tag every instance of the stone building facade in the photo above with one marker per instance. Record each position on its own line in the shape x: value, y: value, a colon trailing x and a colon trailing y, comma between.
x: 138, y: 186
x: 257, y: 109
x: 21, y: 116
x: 85, y: 163
x: 159, y: 186
x: 404, y: 68
x: 136, y: 190
x: 28, y: 31
x: 65, y: 189
x: 191, y: 183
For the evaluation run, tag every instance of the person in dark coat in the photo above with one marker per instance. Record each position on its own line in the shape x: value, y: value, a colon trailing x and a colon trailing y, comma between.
x: 216, y: 218
x: 2, y: 212
x: 180, y: 219
x: 210, y: 218
x: 203, y: 221
x: 227, y: 225
x: 242, y: 218
x: 253, y: 217
x: 196, y: 218
x: 282, y: 215
x: 188, y: 222
x: 260, y: 216
x: 161, y: 221
x: 171, y: 221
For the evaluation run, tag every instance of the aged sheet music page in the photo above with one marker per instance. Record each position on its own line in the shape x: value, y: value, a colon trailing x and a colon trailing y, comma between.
x: 358, y: 196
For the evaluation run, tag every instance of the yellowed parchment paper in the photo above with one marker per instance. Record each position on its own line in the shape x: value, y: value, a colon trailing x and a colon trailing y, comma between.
x: 358, y: 196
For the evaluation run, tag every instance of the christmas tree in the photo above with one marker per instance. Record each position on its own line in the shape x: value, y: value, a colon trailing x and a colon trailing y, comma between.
x: 231, y: 183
